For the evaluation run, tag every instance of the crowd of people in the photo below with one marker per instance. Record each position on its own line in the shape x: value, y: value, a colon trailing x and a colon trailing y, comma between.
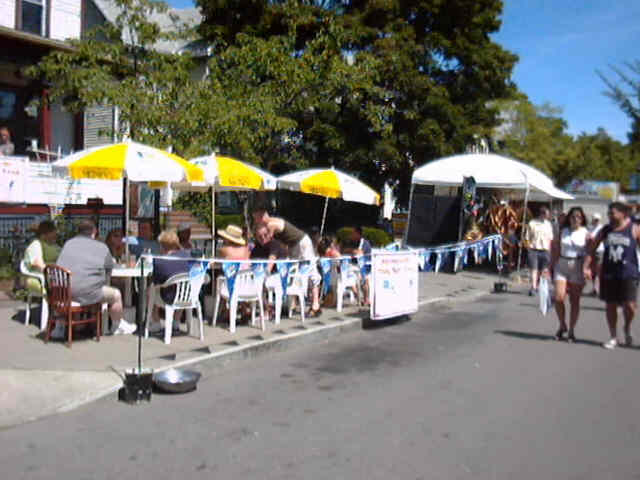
x: 571, y: 251
x: 91, y: 260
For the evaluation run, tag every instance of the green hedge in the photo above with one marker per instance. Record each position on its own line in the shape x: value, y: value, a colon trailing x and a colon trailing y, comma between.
x: 223, y: 220
x: 376, y: 236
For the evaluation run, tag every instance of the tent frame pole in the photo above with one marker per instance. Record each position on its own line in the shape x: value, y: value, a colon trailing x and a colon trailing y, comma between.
x: 324, y: 215
x: 406, y: 228
x: 524, y: 222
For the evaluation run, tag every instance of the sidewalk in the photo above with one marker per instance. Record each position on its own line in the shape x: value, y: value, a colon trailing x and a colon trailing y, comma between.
x: 38, y: 379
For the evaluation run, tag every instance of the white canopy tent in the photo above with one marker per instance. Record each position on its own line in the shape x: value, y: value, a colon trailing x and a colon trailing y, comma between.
x: 489, y: 171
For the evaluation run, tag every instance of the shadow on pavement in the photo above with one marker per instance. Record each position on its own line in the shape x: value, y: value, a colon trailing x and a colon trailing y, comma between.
x: 545, y: 338
x: 525, y: 335
x: 368, y: 324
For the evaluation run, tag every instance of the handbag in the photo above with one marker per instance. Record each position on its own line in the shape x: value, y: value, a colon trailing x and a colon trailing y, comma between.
x: 544, y: 295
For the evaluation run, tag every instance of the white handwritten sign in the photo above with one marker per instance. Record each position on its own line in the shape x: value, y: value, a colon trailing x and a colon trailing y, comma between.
x: 23, y: 181
x: 394, y: 282
x: 12, y: 179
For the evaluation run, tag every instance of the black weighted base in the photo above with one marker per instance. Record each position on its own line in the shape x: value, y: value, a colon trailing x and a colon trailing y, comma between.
x: 137, y: 387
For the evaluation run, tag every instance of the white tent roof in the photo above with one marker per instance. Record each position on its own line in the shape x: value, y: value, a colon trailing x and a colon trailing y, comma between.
x: 489, y: 171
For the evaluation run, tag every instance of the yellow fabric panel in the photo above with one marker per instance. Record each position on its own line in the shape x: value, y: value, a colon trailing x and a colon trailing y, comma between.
x: 234, y: 173
x: 325, y: 183
x: 193, y: 172
x: 104, y: 163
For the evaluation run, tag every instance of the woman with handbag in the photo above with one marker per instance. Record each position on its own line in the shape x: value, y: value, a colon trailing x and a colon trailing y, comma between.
x: 568, y: 252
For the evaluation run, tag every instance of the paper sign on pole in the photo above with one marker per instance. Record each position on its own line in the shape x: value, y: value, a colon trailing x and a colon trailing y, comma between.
x: 394, y: 284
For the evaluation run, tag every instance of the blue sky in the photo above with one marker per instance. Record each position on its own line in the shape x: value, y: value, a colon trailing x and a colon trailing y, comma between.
x: 561, y: 44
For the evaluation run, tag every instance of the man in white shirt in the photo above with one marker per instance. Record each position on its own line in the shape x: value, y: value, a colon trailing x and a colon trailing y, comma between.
x: 538, y: 237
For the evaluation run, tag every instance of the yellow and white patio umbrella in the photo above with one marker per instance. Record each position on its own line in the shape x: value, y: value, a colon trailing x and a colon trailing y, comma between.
x: 223, y: 173
x: 329, y: 183
x: 134, y: 161
x: 131, y: 161
x: 228, y: 174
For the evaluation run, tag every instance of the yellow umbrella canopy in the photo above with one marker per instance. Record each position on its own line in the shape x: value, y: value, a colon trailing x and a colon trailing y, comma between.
x: 223, y: 173
x: 329, y: 183
x: 131, y: 160
x: 228, y: 173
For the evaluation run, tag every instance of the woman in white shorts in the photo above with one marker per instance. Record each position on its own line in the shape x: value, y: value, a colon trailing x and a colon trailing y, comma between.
x: 568, y: 255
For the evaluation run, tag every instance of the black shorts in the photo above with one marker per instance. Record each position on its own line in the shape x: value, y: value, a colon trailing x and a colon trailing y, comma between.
x: 619, y: 290
x: 539, y: 259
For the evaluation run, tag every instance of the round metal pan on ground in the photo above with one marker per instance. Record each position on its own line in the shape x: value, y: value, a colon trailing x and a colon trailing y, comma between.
x: 175, y: 380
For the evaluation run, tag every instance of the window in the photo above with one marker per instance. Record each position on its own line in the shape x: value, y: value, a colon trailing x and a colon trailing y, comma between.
x: 33, y: 16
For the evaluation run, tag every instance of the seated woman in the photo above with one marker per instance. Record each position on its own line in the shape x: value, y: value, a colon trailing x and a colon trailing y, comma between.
x: 40, y: 252
x: 115, y: 244
x: 234, y: 245
x: 163, y: 269
x: 328, y: 249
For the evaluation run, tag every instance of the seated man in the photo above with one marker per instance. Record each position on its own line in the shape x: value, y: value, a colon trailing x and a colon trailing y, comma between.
x: 267, y: 247
x: 90, y: 263
x: 270, y: 249
x: 164, y: 269
x: 184, y: 235
x: 144, y: 241
x: 299, y: 245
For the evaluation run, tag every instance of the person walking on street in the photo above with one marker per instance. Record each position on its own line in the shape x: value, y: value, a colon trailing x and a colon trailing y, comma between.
x: 538, y: 237
x: 619, y: 277
x: 568, y: 253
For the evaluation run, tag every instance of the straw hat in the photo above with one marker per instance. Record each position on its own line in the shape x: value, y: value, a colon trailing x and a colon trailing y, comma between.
x: 232, y: 233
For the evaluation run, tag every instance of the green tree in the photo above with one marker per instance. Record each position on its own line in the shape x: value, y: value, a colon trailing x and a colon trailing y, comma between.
x: 537, y: 135
x: 601, y: 157
x: 625, y: 92
x: 372, y: 87
x: 118, y: 64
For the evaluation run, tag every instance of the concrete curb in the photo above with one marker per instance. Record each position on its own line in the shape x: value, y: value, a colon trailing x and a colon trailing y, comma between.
x: 208, y: 363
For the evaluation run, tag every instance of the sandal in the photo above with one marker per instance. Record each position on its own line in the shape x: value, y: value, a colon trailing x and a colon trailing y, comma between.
x: 560, y: 333
x: 314, y: 313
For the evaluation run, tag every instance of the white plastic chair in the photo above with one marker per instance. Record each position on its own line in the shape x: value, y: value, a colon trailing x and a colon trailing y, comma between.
x: 274, y: 294
x: 247, y: 288
x: 348, y: 282
x: 186, y: 298
x: 297, y: 286
x: 44, y: 310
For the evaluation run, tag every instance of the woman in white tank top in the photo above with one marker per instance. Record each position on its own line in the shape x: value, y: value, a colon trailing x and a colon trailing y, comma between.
x: 568, y: 255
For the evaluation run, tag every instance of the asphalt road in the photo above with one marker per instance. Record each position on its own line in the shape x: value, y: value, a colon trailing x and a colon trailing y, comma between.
x: 476, y: 390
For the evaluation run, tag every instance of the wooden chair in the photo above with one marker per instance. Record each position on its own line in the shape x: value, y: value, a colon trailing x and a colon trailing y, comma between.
x: 63, y: 309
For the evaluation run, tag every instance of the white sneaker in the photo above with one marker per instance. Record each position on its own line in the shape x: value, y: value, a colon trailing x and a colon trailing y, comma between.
x: 611, y: 344
x: 125, y: 328
x: 58, y: 332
